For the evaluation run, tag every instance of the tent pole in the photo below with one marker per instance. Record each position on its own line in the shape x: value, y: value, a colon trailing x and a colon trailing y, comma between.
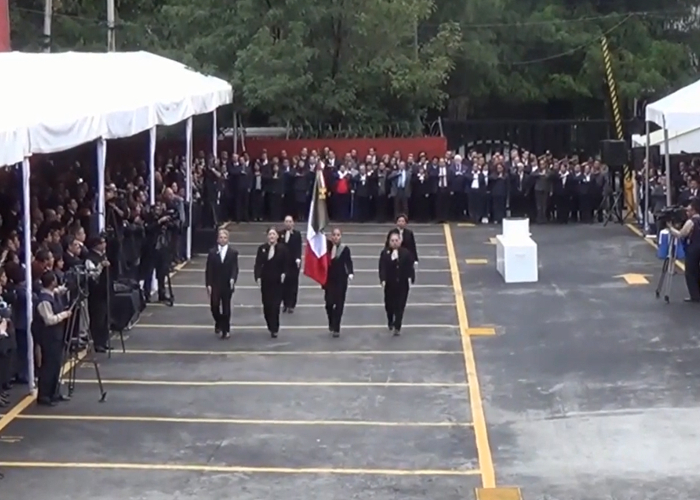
x: 101, y: 165
x: 188, y: 183
x: 646, y: 179
x: 48, y: 18
x: 235, y: 133
x: 214, y: 136
x: 152, y: 185
x: 27, y: 247
x: 152, y: 166
x: 667, y: 158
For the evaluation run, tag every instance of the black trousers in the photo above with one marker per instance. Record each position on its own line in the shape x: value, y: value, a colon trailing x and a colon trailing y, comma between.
x: 7, y: 366
x: 220, y: 304
x: 99, y: 320
x: 50, y: 370
x: 395, y: 298
x: 692, y: 273
x: 21, y: 366
x: 291, y: 288
x: 334, y: 295
x: 271, y: 302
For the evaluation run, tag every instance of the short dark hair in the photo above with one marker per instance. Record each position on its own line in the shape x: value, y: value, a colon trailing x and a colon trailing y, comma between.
x: 695, y: 205
x: 402, y: 216
x: 48, y: 279
x: 43, y: 255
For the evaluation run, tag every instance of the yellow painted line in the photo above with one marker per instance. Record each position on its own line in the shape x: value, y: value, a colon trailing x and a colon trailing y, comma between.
x: 266, y: 383
x: 502, y: 493
x: 634, y: 279
x: 476, y: 261
x: 485, y: 330
x: 236, y: 469
x: 26, y: 401
x: 357, y: 271
x: 317, y: 306
x: 488, y: 474
x: 286, y: 327
x: 286, y: 353
x: 372, y: 257
x: 680, y: 265
x: 240, y: 421
x: 314, y: 287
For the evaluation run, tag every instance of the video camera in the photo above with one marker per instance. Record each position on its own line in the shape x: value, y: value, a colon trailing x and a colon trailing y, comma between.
x: 76, y: 279
x: 675, y: 215
x: 5, y: 309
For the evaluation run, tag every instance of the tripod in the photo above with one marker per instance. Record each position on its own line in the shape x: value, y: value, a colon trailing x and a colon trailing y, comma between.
x: 668, y: 270
x: 613, y: 202
x: 75, y: 353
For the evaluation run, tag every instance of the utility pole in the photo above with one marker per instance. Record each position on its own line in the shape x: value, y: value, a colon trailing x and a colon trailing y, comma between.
x: 48, y: 18
x: 111, y: 32
x: 4, y: 26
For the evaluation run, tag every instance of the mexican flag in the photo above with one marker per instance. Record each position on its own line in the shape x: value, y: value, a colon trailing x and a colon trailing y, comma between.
x: 315, y: 255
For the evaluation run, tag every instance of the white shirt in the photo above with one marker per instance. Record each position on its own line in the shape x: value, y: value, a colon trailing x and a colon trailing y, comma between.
x: 334, y: 251
x: 475, y: 180
x: 401, y: 234
x: 286, y: 236
x: 271, y: 252
x: 394, y: 254
x: 222, y: 252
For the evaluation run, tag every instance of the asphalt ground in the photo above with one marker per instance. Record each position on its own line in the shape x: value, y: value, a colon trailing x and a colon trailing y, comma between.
x: 191, y: 416
x: 585, y: 387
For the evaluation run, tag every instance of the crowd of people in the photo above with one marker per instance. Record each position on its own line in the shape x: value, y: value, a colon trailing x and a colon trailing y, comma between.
x: 143, y: 239
x: 73, y: 262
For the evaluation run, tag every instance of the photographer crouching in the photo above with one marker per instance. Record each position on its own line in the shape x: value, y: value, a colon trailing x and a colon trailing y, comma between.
x: 162, y: 225
x: 689, y: 235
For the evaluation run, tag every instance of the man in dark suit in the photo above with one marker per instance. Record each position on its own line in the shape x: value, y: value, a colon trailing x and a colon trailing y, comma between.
x: 292, y: 240
x: 221, y: 274
x: 396, y: 274
x: 406, y: 236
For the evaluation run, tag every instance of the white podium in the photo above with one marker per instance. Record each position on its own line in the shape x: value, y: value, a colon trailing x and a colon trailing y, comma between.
x: 516, y: 252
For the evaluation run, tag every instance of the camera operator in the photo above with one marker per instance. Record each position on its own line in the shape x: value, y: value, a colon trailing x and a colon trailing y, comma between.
x: 51, y: 322
x: 689, y: 234
x: 116, y: 214
x: 99, y: 287
x: 72, y: 256
x: 8, y: 342
x: 162, y: 225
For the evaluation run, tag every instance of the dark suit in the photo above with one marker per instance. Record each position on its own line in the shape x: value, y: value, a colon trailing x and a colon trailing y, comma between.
x: 408, y: 241
x: 291, y: 280
x: 218, y: 277
x: 336, y: 288
x: 396, y: 274
x: 269, y: 272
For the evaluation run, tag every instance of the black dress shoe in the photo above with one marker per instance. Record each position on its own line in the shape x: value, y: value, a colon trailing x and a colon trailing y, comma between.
x: 290, y: 310
x: 225, y: 335
x: 285, y: 309
x: 273, y: 335
x: 45, y: 402
x: 102, y: 349
x: 689, y: 299
x: 60, y: 398
x: 397, y: 332
x: 336, y: 335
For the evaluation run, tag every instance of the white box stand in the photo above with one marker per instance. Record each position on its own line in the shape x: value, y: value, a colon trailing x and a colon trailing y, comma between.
x: 516, y: 252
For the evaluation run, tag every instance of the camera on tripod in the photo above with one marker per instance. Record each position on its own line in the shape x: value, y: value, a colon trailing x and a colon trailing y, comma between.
x: 675, y: 215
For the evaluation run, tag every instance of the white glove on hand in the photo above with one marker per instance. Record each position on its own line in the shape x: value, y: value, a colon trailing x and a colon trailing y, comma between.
x: 282, y: 278
x: 351, y: 276
x: 298, y: 262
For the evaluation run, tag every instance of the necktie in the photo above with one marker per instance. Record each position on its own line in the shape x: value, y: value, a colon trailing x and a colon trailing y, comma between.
x: 271, y: 252
x: 394, y: 254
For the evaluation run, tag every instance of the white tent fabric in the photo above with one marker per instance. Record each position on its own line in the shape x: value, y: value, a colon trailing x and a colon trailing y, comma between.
x: 677, y: 111
x: 54, y: 102
x: 687, y: 141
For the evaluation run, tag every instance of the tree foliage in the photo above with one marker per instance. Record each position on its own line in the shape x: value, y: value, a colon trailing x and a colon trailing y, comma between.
x: 387, y: 61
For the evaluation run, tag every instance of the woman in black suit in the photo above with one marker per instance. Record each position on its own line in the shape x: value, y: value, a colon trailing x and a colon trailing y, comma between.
x: 270, y: 266
x: 340, y: 272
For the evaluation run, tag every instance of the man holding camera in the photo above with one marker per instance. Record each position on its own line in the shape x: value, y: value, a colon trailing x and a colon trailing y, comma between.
x: 689, y: 233
x: 162, y: 226
x: 99, y: 289
x: 51, y: 319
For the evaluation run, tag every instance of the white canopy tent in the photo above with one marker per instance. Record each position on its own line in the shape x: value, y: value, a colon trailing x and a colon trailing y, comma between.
x: 687, y: 141
x: 677, y: 111
x: 54, y: 102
